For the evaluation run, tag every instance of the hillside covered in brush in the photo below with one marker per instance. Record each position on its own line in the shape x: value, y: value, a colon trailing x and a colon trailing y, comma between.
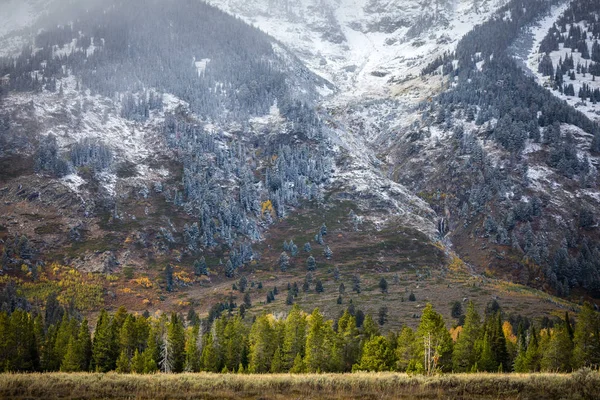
x: 183, y: 156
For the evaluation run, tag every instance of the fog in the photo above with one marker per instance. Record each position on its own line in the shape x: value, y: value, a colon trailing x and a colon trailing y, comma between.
x: 35, y: 14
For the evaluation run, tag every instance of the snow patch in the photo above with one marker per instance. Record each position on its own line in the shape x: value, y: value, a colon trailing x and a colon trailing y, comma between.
x: 533, y: 58
x: 73, y: 182
x: 201, y: 65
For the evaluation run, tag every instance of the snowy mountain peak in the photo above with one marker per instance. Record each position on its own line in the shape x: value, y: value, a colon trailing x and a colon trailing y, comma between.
x: 362, y: 45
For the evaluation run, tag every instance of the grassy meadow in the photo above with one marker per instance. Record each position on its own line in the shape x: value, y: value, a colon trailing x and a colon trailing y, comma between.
x: 579, y: 385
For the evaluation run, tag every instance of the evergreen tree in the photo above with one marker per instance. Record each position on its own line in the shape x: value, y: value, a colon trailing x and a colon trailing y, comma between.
x: 242, y: 284
x: 289, y: 300
x: 71, y: 361
x: 128, y: 341
x: 234, y: 343
x: 21, y: 351
x: 336, y: 274
x: 434, y: 341
x: 210, y: 359
x: 318, y: 353
x: 532, y: 355
x: 294, y: 338
x: 66, y: 330
x: 137, y: 362
x: 53, y: 310
x: 327, y: 253
x: 311, y: 264
x: 456, y: 311
x: 284, y: 261
x: 487, y: 360
x: 520, y: 362
x: 383, y: 285
x: 200, y: 267
x: 169, y: 277
x: 464, y: 356
x: 382, y: 315
x: 586, y: 338
x: 247, y: 300
x: 192, y: 354
x: 298, y: 367
x: 376, y: 355
x: 406, y: 350
x: 48, y: 358
x: 293, y: 249
x: 104, y: 348
x: 277, y: 361
x: 356, y: 283
x: 192, y: 317
x: 558, y: 353
x: 262, y: 345
x: 498, y: 341
x: 370, y: 328
x: 123, y: 363
x: 319, y: 286
x: 151, y: 355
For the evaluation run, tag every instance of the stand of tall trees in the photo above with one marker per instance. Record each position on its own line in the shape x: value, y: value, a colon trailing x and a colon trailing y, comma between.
x: 300, y: 342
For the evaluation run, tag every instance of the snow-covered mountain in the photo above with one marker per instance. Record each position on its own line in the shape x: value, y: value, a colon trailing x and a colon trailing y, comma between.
x: 364, y: 45
x: 414, y: 112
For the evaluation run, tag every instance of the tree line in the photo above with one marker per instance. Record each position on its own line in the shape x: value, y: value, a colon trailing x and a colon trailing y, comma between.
x: 60, y: 340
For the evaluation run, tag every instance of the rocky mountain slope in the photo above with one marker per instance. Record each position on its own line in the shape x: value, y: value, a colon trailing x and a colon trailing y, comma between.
x: 126, y: 149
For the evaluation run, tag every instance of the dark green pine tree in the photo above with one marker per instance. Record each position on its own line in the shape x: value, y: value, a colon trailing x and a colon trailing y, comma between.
x: 568, y: 326
x: 49, y: 358
x: 586, y: 338
x: 169, y: 277
x: 319, y: 286
x: 200, y: 267
x: 192, y: 317
x: 123, y: 364
x: 356, y: 283
x: 487, y: 361
x: 382, y: 315
x: 66, y: 330
x: 78, y: 353
x: 558, y: 353
x: 311, y: 263
x: 71, y: 362
x: 192, y: 353
x: 104, y: 345
x: 84, y: 345
x: 465, y: 356
x: 151, y: 354
x: 247, y: 300
x: 532, y: 355
x: 290, y: 298
x: 383, y: 285
x: 176, y: 337
x: 7, y: 344
x: 520, y: 362
x: 499, y: 344
x: 23, y: 343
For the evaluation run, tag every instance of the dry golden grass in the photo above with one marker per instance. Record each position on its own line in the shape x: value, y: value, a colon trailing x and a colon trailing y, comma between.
x: 580, y: 385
